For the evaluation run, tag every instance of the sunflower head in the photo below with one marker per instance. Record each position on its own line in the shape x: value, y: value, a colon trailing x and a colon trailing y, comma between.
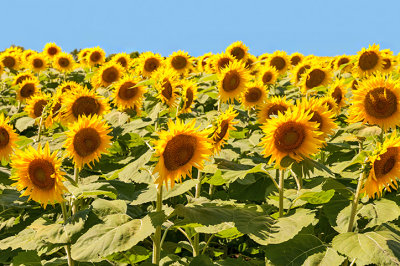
x: 314, y: 77
x: 27, y: 89
x: 369, y: 61
x: 267, y: 75
x: 180, y: 61
x: 127, y: 94
x: 238, y: 50
x: 36, y: 104
x: 21, y: 76
x: 290, y: 134
x: 272, y: 107
x: 149, y: 63
x: 338, y: 92
x: 26, y: 54
x: 202, y: 62
x: 232, y: 81
x: 189, y: 92
x: 64, y: 62
x: 254, y: 94
x: 343, y: 60
x: 166, y: 85
x: 299, y: 70
x: 250, y: 62
x: 51, y: 50
x: 389, y: 61
x: 221, y: 61
x: 107, y: 74
x: 279, y: 60
x: 95, y: 56
x: 37, y: 62
x: 82, y: 56
x: 296, y: 58
x: 178, y: 150
x: 39, y: 173
x: 10, y: 60
x: 8, y: 138
x: 69, y: 87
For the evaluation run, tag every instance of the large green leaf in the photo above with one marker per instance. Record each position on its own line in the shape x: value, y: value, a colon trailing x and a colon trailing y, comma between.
x: 28, y: 258
x: 327, y: 258
x: 379, y: 212
x: 133, y: 171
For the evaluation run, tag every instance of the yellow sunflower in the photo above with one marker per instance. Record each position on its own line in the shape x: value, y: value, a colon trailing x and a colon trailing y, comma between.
x: 54, y: 114
x: 299, y: 70
x: 338, y: 92
x: 64, y: 62
x: 189, y: 92
x: 180, y: 61
x: 330, y: 103
x: 238, y: 50
x: 69, y: 87
x: 202, y: 62
x: 267, y: 75
x: 127, y: 94
x: 21, y: 76
x: 385, y: 167
x: 37, y: 62
x: 296, y: 58
x: 26, y: 54
x: 51, y: 50
x: 179, y: 150
x: 272, y: 107
x: 314, y: 77
x: 27, y: 89
x: 389, y: 61
x: 254, y: 94
x: 166, y: 85
x: 376, y: 102
x: 87, y: 140
x: 82, y: 56
x: 232, y: 81
x: 279, y: 60
x: 39, y: 173
x: 369, y: 61
x: 10, y: 60
x: 219, y: 133
x: 221, y: 61
x: 343, y: 60
x: 8, y: 138
x: 95, y: 56
x: 148, y: 63
x: 107, y: 74
x: 291, y: 134
x: 250, y: 62
x: 86, y: 102
x: 36, y: 104
x: 263, y: 58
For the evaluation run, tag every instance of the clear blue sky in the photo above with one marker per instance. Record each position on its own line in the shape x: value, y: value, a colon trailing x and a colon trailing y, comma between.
x: 310, y: 27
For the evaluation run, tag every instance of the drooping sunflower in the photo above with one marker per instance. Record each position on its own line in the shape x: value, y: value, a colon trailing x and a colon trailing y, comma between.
x: 376, y: 102
x: 8, y: 138
x: 51, y: 50
x: 180, y: 61
x: 202, y: 62
x: 232, y: 81
x: 279, y: 60
x: 10, y: 60
x: 272, y: 107
x: 290, y: 134
x: 127, y: 94
x: 26, y: 55
x: 385, y: 167
x: 27, y: 89
x: 320, y: 114
x: 338, y: 92
x: 180, y: 149
x: 219, y: 133
x: 238, y: 50
x: 296, y: 58
x: 148, y: 63
x: 166, y: 85
x: 87, y: 140
x: 107, y: 74
x: 86, y: 102
x: 389, y: 61
x: 189, y: 92
x: 254, y: 94
x: 221, y: 61
x: 36, y: 104
x: 267, y: 75
x: 123, y: 59
x: 299, y: 70
x: 369, y: 61
x: 37, y: 62
x: 21, y: 76
x: 95, y: 56
x: 82, y: 56
x: 39, y: 173
x: 64, y: 62
x: 314, y: 77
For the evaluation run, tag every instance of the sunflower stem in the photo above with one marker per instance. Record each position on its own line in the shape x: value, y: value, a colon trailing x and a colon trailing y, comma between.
x: 381, y: 137
x: 40, y: 128
x: 75, y: 201
x: 197, y: 236
x: 157, y: 234
x: 67, y: 247
x: 76, y: 175
x: 281, y: 176
x: 356, y: 198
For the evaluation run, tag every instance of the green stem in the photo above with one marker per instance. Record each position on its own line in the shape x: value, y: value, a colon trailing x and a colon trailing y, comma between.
x: 281, y: 176
x: 67, y: 247
x: 75, y: 202
x: 298, y: 179
x: 157, y: 234
x: 208, y: 242
x: 76, y: 175
x: 196, y: 239
x: 356, y: 198
x: 40, y: 128
x: 381, y: 136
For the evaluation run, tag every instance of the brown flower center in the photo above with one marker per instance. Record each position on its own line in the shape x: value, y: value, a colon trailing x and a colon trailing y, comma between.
x: 223, y: 130
x: 342, y: 61
x: 223, y: 62
x: 95, y: 57
x: 151, y: 64
x: 4, y: 137
x: 85, y: 105
x: 238, y: 53
x: 380, y: 103
x: 317, y: 118
x: 278, y: 62
x: 295, y: 60
x: 86, y: 141
x: 110, y: 75
x: 21, y: 78
x: 40, y: 172
x: 52, y: 51
x: 231, y: 81
x: 9, y: 61
x: 386, y: 162
x: 337, y: 95
x: 386, y: 63
x: 38, y: 107
x: 179, y: 62
x: 301, y: 71
x: 189, y: 98
x: 127, y: 90
x: 63, y: 62
x: 368, y: 60
x: 354, y: 84
x: 179, y: 151
x: 267, y: 77
x: 27, y: 90
x: 167, y: 89
x: 275, y: 109
x: 38, y: 63
x: 315, y: 78
x: 289, y: 136
x: 122, y: 61
x: 253, y: 94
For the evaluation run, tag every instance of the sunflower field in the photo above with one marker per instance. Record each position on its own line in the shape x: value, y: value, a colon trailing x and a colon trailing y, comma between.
x: 223, y: 159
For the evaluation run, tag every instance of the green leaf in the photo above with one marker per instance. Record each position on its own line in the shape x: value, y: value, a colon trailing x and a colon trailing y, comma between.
x: 201, y: 260
x: 28, y: 258
x: 102, y: 207
x: 327, y: 258
x: 23, y: 123
x: 116, y: 118
x: 379, y: 212
x: 318, y: 197
x: 132, y: 171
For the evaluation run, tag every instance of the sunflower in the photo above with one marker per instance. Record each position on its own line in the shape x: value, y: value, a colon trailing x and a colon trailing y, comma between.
x: 54, y: 114
x: 148, y: 63
x: 51, y: 50
x: 267, y: 75
x: 232, y: 81
x: 369, y: 61
x: 64, y: 62
x: 37, y: 62
x: 354, y: 84
x: 21, y: 76
x: 10, y: 60
x: 95, y: 56
x: 180, y: 149
x: 330, y: 103
x: 26, y: 55
x: 338, y: 92
x: 291, y: 134
x: 254, y: 94
x: 69, y: 87
x: 299, y: 70
x: 82, y: 56
x: 389, y: 61
x: 320, y: 114
x: 189, y: 92
x: 250, y: 62
x: 221, y: 61
x: 219, y: 133
x: 202, y: 62
x: 376, y: 102
x: 107, y: 74
x: 296, y: 58
x: 314, y: 77
x: 238, y: 50
x: 127, y: 94
x: 87, y: 139
x: 263, y: 58
x: 123, y: 59
x: 279, y: 60
x: 36, y: 104
x: 27, y: 89
x: 180, y: 62
x: 86, y: 102
x: 39, y: 173
x: 1, y: 69
x: 8, y: 138
x: 272, y: 107
x: 385, y: 167
x: 343, y: 60
x: 166, y: 85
